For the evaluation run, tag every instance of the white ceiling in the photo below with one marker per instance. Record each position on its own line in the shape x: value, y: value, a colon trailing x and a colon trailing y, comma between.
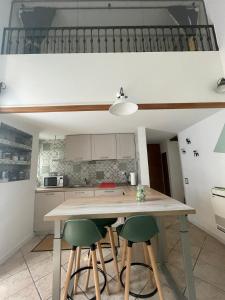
x: 164, y: 123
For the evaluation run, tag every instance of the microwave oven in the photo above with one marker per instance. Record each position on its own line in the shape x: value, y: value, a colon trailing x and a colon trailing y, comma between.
x: 55, y: 181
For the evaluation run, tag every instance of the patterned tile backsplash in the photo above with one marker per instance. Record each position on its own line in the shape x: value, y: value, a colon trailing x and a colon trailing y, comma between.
x: 51, y: 160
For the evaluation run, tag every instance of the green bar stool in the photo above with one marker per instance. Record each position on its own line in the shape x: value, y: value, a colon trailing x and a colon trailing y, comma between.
x: 139, y: 229
x: 107, y: 223
x: 83, y: 233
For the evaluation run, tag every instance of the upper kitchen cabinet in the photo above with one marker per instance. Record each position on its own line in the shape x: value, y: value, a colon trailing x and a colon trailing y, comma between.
x: 78, y: 147
x: 125, y: 146
x: 103, y: 146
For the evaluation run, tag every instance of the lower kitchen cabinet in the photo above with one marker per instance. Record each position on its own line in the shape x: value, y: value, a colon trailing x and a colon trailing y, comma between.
x: 79, y: 194
x: 44, y: 203
x: 109, y: 192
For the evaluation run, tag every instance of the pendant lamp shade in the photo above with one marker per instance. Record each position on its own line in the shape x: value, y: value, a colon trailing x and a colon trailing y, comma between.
x: 123, y: 107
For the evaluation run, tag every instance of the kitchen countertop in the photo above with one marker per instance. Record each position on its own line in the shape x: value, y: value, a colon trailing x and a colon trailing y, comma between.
x: 78, y: 188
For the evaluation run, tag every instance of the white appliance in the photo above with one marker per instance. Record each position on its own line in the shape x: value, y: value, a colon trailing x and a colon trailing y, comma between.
x: 55, y: 181
x: 218, y: 202
x: 132, y: 178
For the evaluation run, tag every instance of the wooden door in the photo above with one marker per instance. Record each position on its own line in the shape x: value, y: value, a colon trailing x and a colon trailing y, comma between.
x: 166, y: 174
x: 155, y: 167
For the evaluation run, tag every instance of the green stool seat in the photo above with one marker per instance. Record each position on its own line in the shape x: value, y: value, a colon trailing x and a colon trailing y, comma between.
x: 138, y: 229
x: 104, y: 222
x: 82, y: 233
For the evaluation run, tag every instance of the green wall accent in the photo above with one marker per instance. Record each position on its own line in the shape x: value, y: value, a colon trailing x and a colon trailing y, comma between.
x: 220, y: 146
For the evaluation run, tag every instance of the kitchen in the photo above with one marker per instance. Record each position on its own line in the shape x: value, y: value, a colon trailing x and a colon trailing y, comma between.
x: 83, y: 166
x: 93, y: 165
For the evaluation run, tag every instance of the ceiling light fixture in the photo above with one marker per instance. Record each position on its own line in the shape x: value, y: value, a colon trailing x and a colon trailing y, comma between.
x: 122, y: 107
x: 221, y: 85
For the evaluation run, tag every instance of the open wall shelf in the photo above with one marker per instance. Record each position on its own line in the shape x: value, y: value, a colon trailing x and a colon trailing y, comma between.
x: 15, y: 154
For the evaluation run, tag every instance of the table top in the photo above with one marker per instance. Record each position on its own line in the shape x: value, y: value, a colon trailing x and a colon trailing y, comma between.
x: 156, y: 204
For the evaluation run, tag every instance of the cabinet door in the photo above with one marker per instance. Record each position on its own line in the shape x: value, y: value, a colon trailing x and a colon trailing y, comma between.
x: 109, y: 192
x: 44, y: 203
x: 78, y: 194
x: 103, y: 146
x: 125, y: 146
x: 78, y: 147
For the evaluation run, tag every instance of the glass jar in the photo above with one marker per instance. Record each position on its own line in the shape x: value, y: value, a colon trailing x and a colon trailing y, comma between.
x: 140, y: 196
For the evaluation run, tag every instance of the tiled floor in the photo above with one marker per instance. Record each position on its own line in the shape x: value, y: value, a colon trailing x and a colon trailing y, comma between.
x: 28, y: 275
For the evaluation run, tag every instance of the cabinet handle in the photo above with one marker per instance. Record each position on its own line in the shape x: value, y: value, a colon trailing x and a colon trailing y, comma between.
x: 109, y: 191
x: 104, y: 157
x: 50, y: 194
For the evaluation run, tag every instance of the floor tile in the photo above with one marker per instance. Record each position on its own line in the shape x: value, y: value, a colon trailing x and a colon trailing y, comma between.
x: 175, y: 257
x: 36, y: 257
x: 197, y: 236
x: 214, y: 245
x: 39, y: 269
x: 167, y: 293
x: 44, y: 285
x: 213, y: 257
x: 28, y: 293
x: 12, y: 266
x: 31, y: 244
x: 206, y: 291
x: 15, y: 283
x: 210, y: 274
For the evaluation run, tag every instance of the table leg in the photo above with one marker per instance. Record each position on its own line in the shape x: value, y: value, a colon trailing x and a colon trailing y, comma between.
x: 186, y: 247
x: 56, y: 284
x: 162, y: 245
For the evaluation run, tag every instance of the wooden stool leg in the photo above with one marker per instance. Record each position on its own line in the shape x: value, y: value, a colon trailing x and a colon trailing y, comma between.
x: 112, y: 244
x: 147, y: 261
x: 88, y: 272
x: 155, y: 271
x: 96, y: 279
x: 77, y: 266
x: 123, y: 257
x: 68, y: 273
x: 103, y: 264
x: 128, y: 267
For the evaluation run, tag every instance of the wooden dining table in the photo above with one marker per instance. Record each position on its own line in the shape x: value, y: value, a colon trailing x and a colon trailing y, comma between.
x: 156, y: 204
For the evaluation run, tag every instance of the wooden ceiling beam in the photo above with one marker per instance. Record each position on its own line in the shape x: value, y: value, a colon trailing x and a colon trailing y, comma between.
x: 105, y: 107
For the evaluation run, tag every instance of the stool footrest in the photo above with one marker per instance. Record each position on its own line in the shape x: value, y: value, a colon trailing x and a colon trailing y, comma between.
x: 151, y: 294
x: 88, y: 268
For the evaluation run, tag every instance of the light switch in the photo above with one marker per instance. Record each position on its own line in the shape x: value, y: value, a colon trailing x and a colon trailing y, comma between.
x: 186, y: 181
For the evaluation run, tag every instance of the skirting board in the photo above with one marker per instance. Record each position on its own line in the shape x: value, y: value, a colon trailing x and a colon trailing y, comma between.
x: 209, y: 232
x: 16, y: 248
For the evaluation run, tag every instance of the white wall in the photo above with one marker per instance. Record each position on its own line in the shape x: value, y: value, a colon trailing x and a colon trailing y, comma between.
x: 205, y: 171
x: 142, y: 156
x: 4, y: 16
x: 17, y: 201
x: 95, y: 78
x: 174, y: 168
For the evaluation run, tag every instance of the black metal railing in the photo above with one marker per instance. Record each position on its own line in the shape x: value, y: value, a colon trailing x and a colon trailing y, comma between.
x: 109, y: 39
